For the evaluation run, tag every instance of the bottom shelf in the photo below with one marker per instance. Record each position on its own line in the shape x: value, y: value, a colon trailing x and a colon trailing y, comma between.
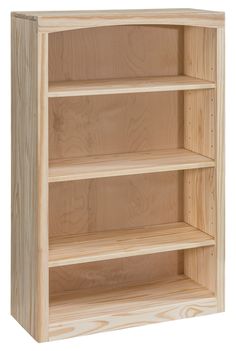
x: 75, y: 313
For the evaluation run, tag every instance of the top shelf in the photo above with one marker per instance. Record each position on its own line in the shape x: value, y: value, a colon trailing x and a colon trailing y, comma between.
x: 125, y: 85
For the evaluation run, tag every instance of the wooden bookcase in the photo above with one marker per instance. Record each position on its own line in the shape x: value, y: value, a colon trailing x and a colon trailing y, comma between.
x: 117, y: 169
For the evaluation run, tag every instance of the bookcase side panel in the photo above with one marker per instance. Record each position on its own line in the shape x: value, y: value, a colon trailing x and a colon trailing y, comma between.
x: 204, y: 133
x: 200, y: 212
x: 200, y: 115
x: 200, y: 106
x: 200, y: 52
x: 29, y: 266
x: 199, y: 121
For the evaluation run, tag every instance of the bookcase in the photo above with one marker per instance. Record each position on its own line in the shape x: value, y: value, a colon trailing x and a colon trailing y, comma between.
x: 117, y: 169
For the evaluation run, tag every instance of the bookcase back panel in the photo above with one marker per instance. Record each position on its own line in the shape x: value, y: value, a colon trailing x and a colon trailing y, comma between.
x: 93, y: 125
x: 115, y: 203
x: 116, y: 273
x: 115, y: 52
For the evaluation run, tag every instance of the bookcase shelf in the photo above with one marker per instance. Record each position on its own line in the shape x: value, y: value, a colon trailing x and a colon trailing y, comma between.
x: 125, y: 86
x: 159, y: 301
x: 126, y: 164
x: 89, y: 247
x: 117, y: 169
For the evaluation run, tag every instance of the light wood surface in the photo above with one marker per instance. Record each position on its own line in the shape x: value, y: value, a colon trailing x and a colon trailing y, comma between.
x: 199, y: 199
x: 200, y: 52
x: 200, y: 211
x: 115, y: 274
x: 117, y: 168
x: 42, y: 164
x: 29, y: 265
x: 220, y: 172
x: 125, y: 86
x: 200, y: 265
x: 117, y: 52
x: 200, y: 106
x: 199, y: 121
x: 52, y: 21
x: 83, y: 313
x: 89, y: 206
x: 126, y: 164
x: 89, y: 247
x: 115, y: 124
x: 200, y: 136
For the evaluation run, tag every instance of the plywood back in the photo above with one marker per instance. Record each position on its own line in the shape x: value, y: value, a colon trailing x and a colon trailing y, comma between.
x: 93, y: 125
x: 115, y: 52
x: 117, y: 273
x: 115, y: 203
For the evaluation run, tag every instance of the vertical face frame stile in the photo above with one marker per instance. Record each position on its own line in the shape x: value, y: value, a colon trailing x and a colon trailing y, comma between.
x: 69, y: 110
x: 43, y: 183
x: 29, y: 268
x: 220, y: 169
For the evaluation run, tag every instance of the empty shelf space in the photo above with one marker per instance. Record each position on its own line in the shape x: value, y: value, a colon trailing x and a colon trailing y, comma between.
x: 125, y: 85
x: 72, y: 249
x: 77, y: 313
x: 126, y: 164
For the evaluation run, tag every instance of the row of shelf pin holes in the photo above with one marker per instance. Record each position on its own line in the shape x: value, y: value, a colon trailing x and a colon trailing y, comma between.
x: 212, y: 115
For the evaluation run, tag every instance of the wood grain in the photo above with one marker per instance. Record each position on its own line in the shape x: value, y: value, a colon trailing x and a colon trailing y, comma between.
x: 52, y: 21
x: 126, y: 86
x: 200, y: 136
x: 200, y: 265
x: 200, y: 211
x: 113, y: 124
x: 117, y: 52
x: 117, y: 168
x: 89, y: 206
x: 199, y: 121
x: 200, y: 106
x: 126, y: 164
x: 91, y: 247
x: 29, y: 265
x: 220, y: 171
x: 199, y: 199
x: 115, y: 274
x: 200, y: 52
x: 83, y: 313
x: 42, y: 164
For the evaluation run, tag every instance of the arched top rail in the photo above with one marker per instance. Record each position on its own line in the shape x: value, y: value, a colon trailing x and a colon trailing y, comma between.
x: 51, y: 21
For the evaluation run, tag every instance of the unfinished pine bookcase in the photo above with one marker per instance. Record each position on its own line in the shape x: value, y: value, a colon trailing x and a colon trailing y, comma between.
x: 117, y: 168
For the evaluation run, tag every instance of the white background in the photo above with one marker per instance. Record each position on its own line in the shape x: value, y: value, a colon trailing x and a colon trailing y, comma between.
x: 211, y: 332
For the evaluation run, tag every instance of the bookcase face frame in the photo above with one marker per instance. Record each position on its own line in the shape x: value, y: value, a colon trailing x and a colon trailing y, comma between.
x: 117, y: 179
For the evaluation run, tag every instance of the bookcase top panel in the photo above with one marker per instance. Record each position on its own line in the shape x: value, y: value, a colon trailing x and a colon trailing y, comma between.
x: 54, y: 21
